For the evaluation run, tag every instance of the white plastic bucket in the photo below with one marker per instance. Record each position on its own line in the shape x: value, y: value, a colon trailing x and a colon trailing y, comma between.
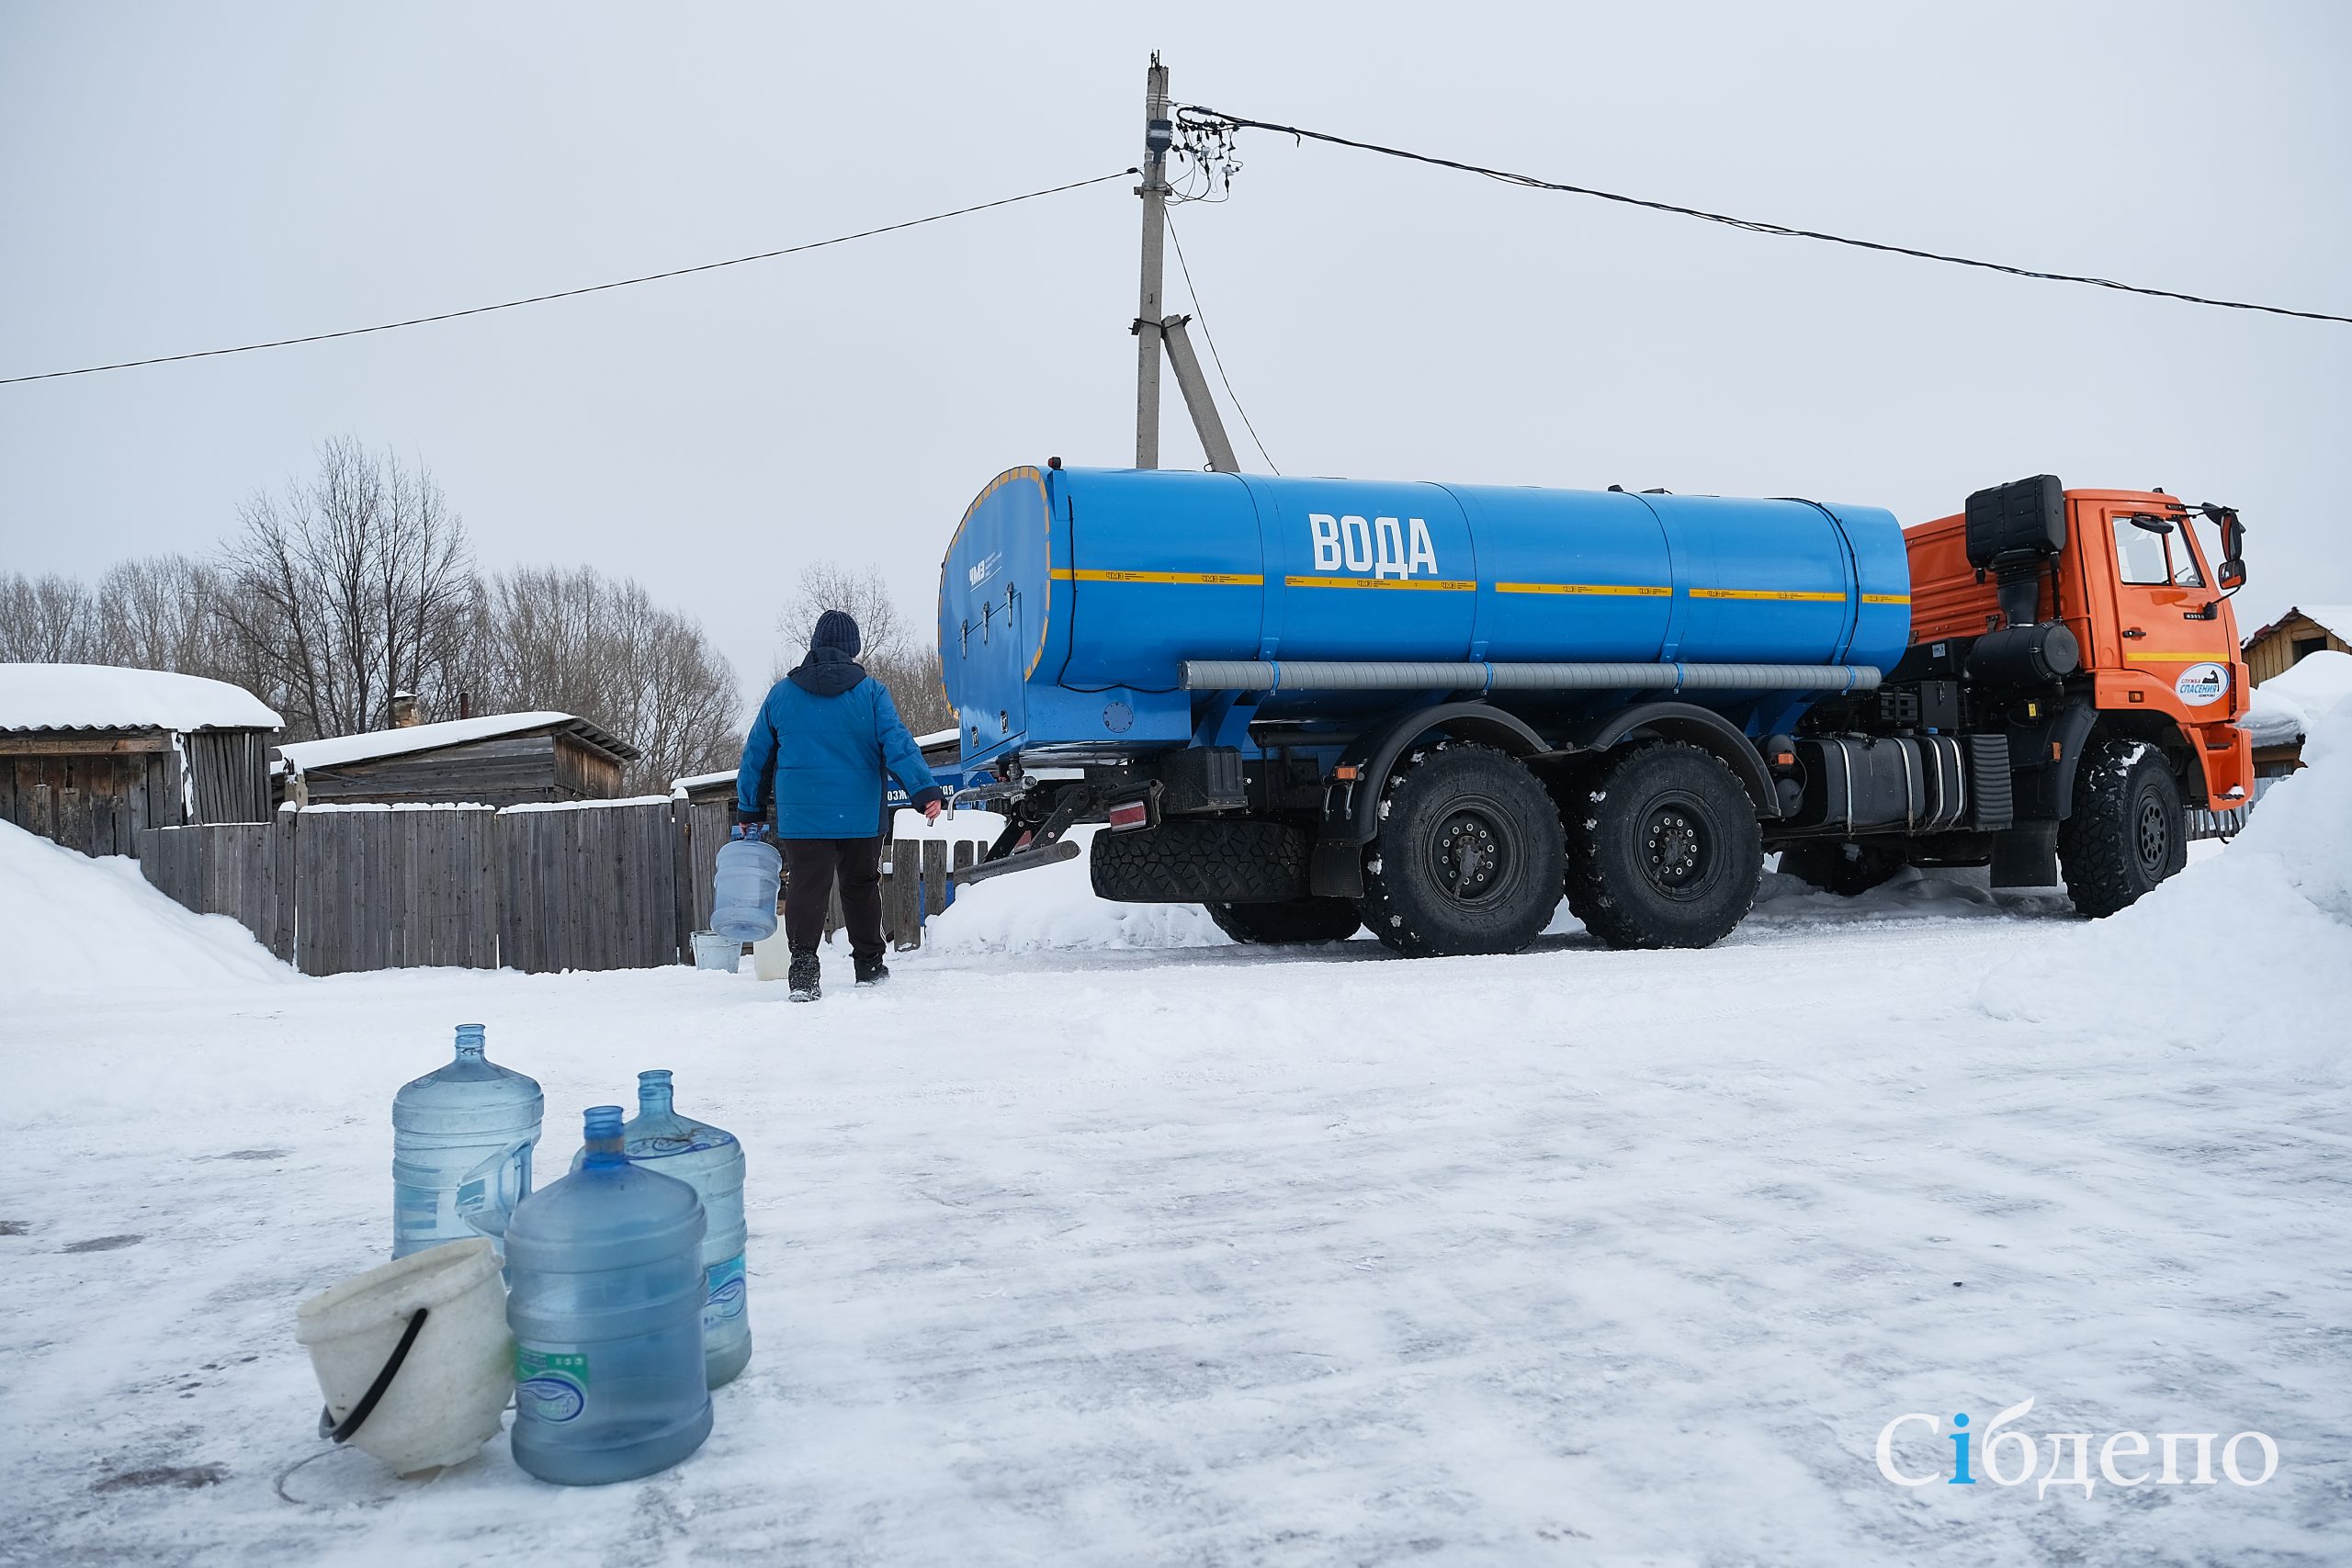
x: 772, y: 957
x: 448, y: 1397
x: 713, y: 951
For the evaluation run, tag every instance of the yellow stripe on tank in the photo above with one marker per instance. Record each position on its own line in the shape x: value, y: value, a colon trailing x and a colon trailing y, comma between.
x: 1200, y: 579
x: 1633, y: 590
x: 1434, y: 585
x: 1886, y: 598
x: 1780, y: 594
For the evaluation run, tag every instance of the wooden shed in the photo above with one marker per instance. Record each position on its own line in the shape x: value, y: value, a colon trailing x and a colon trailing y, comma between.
x: 2296, y: 635
x: 90, y: 753
x: 503, y: 758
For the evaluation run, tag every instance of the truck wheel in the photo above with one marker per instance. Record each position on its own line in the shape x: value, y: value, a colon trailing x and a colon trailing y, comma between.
x: 1666, y: 850
x: 2127, y: 831
x: 1302, y: 919
x: 1469, y: 855
x: 1842, y: 869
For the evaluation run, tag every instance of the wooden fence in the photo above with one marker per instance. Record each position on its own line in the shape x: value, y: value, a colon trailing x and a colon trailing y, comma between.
x: 541, y: 889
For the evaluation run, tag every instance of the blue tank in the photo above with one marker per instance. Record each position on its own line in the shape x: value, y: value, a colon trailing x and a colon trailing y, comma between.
x: 1071, y: 598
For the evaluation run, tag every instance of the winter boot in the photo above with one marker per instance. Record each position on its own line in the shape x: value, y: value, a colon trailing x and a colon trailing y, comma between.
x: 803, y: 977
x: 872, y: 971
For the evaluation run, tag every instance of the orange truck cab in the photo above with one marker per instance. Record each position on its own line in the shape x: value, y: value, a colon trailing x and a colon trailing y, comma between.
x: 2089, y: 633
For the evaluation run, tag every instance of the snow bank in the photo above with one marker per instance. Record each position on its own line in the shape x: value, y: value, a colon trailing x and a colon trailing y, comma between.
x: 1055, y: 906
x: 108, y: 697
x: 70, y: 923
x: 2250, y: 946
x: 2318, y: 681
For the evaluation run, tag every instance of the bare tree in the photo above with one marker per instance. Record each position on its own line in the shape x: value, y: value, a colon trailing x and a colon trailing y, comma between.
x: 582, y: 643
x: 894, y: 652
x: 46, y: 620
x: 160, y: 613
x: 355, y: 584
x: 919, y: 686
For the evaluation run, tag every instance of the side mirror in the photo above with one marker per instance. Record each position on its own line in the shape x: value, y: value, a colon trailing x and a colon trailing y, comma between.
x: 2231, y: 571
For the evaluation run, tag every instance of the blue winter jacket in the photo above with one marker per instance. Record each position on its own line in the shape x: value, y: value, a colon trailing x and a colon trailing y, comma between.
x: 821, y: 741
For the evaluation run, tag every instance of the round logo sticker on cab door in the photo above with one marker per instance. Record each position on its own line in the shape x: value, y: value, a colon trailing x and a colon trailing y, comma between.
x: 2203, y: 683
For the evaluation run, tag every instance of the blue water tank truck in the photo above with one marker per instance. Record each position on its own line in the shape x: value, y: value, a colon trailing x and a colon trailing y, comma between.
x: 1312, y: 705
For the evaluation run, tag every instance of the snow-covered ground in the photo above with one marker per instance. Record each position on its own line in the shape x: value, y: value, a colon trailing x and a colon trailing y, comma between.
x: 1097, y: 1243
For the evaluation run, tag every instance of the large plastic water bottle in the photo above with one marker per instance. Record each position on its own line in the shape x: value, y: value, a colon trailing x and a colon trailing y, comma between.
x: 743, y: 885
x: 606, y: 1310
x: 709, y: 1160
x: 461, y: 1149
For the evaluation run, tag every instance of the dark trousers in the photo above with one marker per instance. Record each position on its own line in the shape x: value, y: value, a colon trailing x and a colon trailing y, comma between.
x: 811, y: 866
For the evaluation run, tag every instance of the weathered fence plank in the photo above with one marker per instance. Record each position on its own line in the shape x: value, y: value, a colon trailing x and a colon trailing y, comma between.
x: 335, y: 891
x: 934, y: 876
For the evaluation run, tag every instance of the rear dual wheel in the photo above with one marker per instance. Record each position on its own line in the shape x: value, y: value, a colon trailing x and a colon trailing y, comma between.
x: 1469, y: 857
x: 1664, y: 849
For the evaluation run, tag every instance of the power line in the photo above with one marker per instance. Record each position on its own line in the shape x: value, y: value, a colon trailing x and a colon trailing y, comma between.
x: 1202, y: 316
x: 1204, y: 116
x: 571, y: 293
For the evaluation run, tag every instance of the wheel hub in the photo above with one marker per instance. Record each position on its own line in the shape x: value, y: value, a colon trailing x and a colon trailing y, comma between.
x: 1676, y: 848
x: 1472, y: 856
x: 2155, y: 838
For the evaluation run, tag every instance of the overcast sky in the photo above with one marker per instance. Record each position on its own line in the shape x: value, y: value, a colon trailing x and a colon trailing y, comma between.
x: 183, y: 177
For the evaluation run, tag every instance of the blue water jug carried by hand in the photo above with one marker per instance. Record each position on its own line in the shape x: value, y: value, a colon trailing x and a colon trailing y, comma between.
x: 606, y: 1312
x: 744, y: 886
x: 709, y: 1160
x: 461, y: 1149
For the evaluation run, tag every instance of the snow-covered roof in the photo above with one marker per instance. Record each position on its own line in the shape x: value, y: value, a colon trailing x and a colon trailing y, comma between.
x: 936, y: 738
x: 703, y: 781
x: 2335, y: 618
x: 108, y: 697
x: 341, y: 750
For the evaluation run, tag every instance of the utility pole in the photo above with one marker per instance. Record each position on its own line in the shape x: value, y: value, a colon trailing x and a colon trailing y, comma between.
x: 1159, y: 135
x: 1195, y: 388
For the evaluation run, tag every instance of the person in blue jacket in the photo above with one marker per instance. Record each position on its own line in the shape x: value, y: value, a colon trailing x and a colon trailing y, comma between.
x: 819, y: 748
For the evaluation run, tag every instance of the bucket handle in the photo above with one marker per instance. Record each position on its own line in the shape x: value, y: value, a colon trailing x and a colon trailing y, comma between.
x: 341, y: 1432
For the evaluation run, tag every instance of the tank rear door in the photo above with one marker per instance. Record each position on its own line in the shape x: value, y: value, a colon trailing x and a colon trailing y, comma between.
x: 994, y: 610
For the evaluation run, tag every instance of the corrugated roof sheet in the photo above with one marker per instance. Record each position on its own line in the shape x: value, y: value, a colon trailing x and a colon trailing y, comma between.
x: 109, y: 696
x: 338, y: 751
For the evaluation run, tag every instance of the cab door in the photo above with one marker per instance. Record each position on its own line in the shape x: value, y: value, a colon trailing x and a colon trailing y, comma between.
x: 2169, y: 628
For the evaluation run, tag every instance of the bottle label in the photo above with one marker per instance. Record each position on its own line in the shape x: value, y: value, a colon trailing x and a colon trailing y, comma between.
x: 549, y: 1386
x: 694, y: 1142
x: 723, y: 1287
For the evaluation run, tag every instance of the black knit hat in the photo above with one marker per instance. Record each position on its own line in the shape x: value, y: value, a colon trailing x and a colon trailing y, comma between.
x: 836, y: 629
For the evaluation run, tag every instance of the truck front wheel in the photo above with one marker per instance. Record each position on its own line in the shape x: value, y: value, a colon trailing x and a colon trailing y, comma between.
x: 1273, y: 925
x: 1664, y: 849
x: 1469, y: 856
x: 2127, y: 831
